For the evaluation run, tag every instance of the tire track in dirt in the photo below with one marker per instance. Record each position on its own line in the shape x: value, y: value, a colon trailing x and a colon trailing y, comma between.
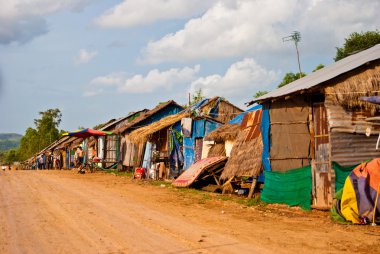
x: 67, y: 215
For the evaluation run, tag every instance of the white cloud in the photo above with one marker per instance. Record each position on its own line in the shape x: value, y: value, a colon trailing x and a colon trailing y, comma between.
x: 155, y: 80
x: 23, y: 20
x: 249, y: 27
x: 241, y: 80
x: 140, y: 12
x: 85, y: 56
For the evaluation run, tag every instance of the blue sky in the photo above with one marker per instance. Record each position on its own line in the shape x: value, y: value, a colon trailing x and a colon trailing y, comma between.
x: 98, y: 60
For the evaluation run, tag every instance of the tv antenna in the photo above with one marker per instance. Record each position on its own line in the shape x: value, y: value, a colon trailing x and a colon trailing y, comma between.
x: 296, y: 37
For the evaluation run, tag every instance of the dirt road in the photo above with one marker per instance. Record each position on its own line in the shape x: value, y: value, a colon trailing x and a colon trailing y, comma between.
x: 63, y: 212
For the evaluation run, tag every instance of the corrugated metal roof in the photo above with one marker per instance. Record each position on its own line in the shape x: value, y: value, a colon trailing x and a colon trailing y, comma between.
x: 114, y: 122
x: 316, y: 78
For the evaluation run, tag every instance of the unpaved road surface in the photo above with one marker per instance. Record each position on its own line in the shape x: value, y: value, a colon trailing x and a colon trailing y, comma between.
x: 63, y: 212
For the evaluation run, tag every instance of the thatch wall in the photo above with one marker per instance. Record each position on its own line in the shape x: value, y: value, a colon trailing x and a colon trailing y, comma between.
x: 348, y: 89
x: 223, y: 133
x: 245, y: 159
x: 217, y: 150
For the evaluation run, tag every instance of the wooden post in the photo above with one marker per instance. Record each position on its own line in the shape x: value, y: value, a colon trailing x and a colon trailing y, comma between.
x: 252, y: 189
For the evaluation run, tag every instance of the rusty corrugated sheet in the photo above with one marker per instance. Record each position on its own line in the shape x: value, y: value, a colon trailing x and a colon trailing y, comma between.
x: 349, y: 149
x: 342, y: 120
x: 349, y: 145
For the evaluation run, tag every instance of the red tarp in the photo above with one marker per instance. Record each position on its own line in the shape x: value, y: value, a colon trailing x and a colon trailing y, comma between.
x: 191, y: 174
x: 85, y: 133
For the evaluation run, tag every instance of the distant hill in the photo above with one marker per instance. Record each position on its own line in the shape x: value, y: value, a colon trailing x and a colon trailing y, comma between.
x: 9, y: 141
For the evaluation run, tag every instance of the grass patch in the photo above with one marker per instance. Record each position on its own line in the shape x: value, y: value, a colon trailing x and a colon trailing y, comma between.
x: 225, y: 198
x: 255, y: 201
x: 121, y: 173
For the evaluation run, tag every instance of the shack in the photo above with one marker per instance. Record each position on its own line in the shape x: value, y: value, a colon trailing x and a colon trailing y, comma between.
x: 131, y: 154
x: 176, y: 142
x: 108, y: 147
x: 317, y: 122
x: 241, y: 141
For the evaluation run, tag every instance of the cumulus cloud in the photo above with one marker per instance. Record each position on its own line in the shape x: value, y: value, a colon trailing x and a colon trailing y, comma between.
x: 138, y: 84
x: 241, y: 80
x: 140, y: 12
x: 85, y: 56
x: 22, y: 20
x: 241, y: 27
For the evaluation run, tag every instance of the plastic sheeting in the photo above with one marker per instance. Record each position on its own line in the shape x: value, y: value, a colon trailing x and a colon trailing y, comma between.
x: 240, y: 117
x: 360, y: 192
x: 200, y: 129
x: 341, y: 173
x: 265, y: 128
x: 147, y: 161
x: 292, y: 188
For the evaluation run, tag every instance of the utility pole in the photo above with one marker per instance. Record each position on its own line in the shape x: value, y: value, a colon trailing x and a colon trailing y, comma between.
x: 296, y: 37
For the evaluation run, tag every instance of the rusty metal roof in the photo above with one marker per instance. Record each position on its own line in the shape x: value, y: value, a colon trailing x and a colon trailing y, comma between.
x: 316, y: 78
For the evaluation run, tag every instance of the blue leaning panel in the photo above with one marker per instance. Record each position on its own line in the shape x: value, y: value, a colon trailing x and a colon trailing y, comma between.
x: 265, y: 128
x: 199, y: 128
x: 188, y: 152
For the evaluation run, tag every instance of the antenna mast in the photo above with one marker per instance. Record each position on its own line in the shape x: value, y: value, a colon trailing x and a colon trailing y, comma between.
x: 296, y: 37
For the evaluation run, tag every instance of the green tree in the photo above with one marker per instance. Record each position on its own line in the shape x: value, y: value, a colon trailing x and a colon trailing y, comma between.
x: 357, y: 42
x: 45, y: 133
x: 259, y: 94
x: 197, y: 96
x: 289, y: 78
x: 11, y: 156
x: 47, y: 126
x: 318, y: 67
x: 29, y: 144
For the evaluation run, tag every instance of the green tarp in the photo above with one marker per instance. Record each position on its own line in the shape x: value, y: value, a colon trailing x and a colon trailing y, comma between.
x: 341, y: 174
x: 292, y: 187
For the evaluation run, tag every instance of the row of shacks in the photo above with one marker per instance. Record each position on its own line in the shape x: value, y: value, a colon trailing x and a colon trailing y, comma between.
x: 289, y: 140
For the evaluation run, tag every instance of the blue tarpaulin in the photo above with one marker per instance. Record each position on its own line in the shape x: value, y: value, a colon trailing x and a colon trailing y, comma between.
x: 210, y: 126
x: 240, y: 117
x: 371, y: 99
x: 201, y: 128
x: 264, y: 128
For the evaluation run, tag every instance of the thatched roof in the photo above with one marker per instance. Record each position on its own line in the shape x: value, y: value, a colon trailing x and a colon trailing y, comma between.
x: 224, y: 133
x: 217, y: 150
x: 347, y: 91
x: 245, y: 158
x: 145, y: 116
x: 142, y: 134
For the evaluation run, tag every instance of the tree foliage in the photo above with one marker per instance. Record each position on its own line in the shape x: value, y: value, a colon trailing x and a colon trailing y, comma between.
x: 318, y: 67
x: 197, y: 96
x: 356, y: 42
x: 259, y: 94
x: 290, y: 77
x: 45, y: 133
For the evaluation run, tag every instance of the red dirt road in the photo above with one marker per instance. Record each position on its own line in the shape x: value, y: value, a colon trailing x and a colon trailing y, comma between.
x: 63, y: 212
